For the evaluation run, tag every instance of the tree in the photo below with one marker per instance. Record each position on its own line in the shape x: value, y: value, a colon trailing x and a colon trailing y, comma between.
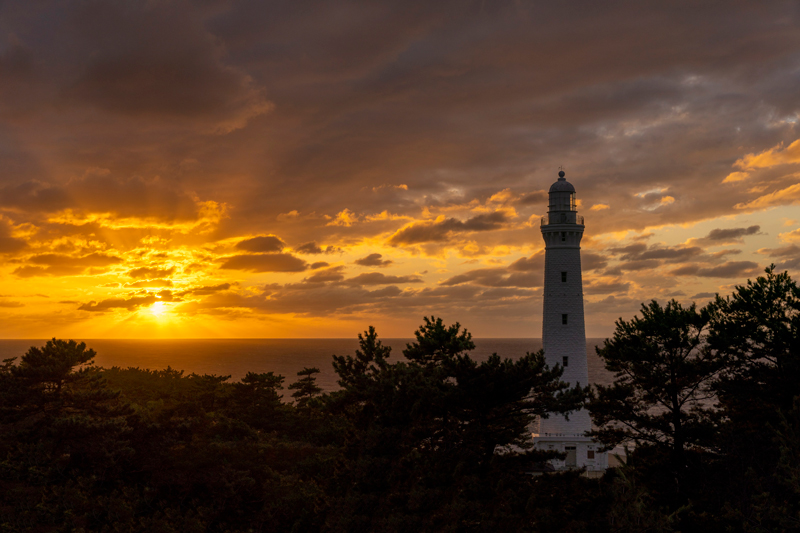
x: 306, y: 387
x: 662, y: 395
x: 437, y: 343
x: 420, y: 453
x: 756, y: 331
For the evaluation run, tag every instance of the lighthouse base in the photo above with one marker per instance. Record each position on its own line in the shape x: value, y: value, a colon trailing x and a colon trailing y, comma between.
x: 582, y: 452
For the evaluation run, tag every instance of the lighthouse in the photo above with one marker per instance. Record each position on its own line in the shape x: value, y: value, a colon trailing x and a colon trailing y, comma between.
x: 563, y: 330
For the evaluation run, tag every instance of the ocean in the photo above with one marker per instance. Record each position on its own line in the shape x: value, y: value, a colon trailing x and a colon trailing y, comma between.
x: 236, y: 357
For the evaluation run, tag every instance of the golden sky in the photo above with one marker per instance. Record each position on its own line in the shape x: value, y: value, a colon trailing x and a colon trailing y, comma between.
x: 306, y: 169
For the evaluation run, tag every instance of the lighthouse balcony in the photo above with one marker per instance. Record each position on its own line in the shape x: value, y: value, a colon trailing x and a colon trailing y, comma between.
x: 562, y: 218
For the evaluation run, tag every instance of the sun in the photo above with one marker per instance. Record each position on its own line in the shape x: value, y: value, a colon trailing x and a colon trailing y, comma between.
x: 158, y: 309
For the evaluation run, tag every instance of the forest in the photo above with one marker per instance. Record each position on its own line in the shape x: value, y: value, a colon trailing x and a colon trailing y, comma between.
x: 705, y: 399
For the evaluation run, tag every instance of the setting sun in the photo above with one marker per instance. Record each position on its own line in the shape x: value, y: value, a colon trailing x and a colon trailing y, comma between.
x: 158, y: 309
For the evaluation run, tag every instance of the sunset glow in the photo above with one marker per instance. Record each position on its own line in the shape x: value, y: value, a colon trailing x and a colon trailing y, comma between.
x: 172, y: 169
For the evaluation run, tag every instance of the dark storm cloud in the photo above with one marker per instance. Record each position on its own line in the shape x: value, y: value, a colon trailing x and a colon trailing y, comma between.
x: 269, y: 243
x: 373, y: 260
x: 437, y: 231
x: 274, y: 262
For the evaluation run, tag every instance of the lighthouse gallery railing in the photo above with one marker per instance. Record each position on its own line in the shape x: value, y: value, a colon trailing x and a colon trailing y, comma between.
x: 556, y: 219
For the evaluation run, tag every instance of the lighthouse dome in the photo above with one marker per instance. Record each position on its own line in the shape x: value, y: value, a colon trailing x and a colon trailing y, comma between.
x: 562, y: 185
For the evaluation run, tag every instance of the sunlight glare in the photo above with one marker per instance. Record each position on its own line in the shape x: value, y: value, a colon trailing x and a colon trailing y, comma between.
x: 158, y: 309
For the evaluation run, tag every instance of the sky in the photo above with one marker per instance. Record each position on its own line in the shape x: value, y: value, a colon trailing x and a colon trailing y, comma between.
x: 217, y: 168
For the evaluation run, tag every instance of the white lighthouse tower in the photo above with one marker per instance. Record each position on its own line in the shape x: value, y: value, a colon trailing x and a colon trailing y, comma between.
x: 563, y: 330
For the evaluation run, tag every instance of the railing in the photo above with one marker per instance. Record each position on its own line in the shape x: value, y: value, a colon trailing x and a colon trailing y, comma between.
x: 558, y: 220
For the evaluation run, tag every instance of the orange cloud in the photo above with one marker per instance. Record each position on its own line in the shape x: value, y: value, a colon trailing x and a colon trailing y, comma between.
x: 791, y: 236
x: 770, y: 158
x: 787, y: 196
x: 274, y: 262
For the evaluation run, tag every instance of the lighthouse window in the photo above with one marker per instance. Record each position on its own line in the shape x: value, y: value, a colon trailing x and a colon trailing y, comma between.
x: 590, y: 454
x: 563, y: 236
x: 563, y: 277
x: 565, y: 361
x: 564, y: 319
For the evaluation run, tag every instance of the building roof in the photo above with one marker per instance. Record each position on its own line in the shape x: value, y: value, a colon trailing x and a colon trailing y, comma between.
x: 562, y: 184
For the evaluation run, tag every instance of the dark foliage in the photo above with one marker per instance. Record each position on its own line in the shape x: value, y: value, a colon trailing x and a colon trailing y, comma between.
x: 434, y: 441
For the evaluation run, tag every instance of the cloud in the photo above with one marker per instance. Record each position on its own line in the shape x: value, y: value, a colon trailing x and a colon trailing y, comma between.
x: 379, y: 278
x: 111, y: 147
x: 309, y: 248
x: 442, y: 228
x: 534, y: 198
x: 269, y: 243
x: 642, y: 253
x: 496, y: 277
x: 150, y: 272
x: 312, y: 248
x: 786, y: 257
x: 373, y: 260
x: 206, y: 289
x: 10, y: 245
x: 274, y: 262
x: 332, y: 274
x: 64, y: 265
x: 777, y: 155
x: 528, y: 264
x: 159, y: 61
x: 345, y: 217
x: 731, y: 269
x: 703, y: 295
x: 718, y: 237
x: 787, y: 196
x: 790, y: 236
x: 592, y: 261
x: 10, y: 303
x: 129, y: 304
x: 606, y: 287
x: 150, y: 284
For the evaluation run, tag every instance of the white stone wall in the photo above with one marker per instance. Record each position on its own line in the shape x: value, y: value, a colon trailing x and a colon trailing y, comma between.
x: 582, y: 448
x: 563, y: 254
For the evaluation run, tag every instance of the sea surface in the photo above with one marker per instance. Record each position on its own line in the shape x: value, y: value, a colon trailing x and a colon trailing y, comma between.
x: 236, y: 357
